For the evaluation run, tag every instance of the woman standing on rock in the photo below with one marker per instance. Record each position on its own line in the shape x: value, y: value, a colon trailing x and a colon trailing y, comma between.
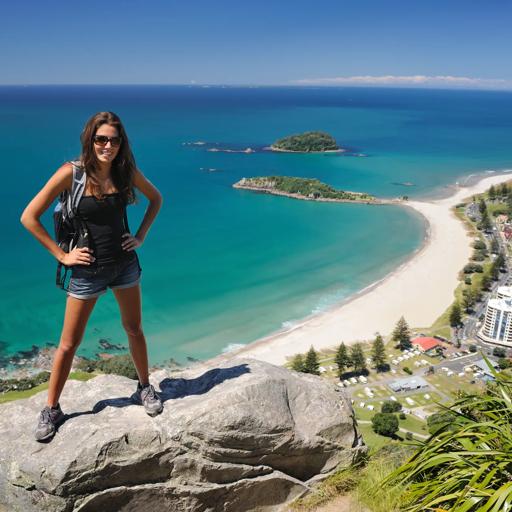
x: 107, y: 260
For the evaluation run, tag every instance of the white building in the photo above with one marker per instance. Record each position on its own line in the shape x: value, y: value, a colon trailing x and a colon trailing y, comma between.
x: 504, y: 292
x: 497, y: 326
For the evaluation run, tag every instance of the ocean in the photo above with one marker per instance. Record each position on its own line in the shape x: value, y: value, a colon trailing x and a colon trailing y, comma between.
x: 224, y: 267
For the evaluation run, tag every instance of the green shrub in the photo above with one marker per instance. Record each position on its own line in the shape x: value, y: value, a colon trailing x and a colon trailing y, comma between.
x: 407, y: 370
x: 499, y: 352
x: 23, y: 384
x: 86, y: 365
x: 119, y: 365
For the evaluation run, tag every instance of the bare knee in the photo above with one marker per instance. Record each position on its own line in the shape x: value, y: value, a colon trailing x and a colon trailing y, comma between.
x: 68, y: 347
x: 133, y: 329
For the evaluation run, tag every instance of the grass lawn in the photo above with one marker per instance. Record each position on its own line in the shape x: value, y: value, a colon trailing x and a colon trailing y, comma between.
x: 17, y: 395
x: 414, y: 424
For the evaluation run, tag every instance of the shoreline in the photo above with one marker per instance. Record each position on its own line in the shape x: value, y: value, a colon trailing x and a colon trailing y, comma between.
x: 428, y: 277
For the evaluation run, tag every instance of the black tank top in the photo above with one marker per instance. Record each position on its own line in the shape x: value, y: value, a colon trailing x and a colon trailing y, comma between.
x: 104, y: 219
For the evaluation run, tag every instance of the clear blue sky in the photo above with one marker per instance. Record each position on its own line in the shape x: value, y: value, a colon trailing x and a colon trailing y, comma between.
x: 237, y: 42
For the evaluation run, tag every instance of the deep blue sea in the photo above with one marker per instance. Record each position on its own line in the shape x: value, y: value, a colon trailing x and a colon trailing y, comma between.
x: 222, y: 266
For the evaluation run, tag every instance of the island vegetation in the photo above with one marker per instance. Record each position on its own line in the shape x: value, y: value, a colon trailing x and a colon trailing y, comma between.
x: 303, y: 188
x: 308, y: 142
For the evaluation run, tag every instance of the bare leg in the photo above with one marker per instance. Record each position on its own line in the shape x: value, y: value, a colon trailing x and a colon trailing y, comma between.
x: 129, y: 301
x: 76, y: 316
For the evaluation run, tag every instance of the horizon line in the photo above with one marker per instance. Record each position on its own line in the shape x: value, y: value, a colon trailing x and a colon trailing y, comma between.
x: 251, y: 85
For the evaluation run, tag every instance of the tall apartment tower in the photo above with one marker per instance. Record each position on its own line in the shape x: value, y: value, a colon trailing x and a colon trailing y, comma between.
x: 497, y: 325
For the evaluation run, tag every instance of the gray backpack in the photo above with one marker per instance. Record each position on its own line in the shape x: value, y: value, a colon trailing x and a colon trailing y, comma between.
x: 70, y: 231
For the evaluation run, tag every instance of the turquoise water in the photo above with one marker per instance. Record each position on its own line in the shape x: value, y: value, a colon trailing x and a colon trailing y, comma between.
x: 223, y: 266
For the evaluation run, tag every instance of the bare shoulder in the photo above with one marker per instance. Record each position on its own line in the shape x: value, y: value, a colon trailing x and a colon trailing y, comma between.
x: 64, y: 175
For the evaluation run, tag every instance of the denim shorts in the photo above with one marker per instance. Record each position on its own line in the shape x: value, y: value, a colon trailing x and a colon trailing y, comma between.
x: 90, y: 282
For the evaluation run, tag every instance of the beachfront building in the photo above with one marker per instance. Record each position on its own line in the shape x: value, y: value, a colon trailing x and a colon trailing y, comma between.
x: 426, y: 344
x: 504, y: 292
x: 497, y: 325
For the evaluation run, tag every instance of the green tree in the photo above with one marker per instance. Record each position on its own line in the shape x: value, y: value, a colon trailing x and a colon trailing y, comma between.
x: 385, y: 424
x: 379, y: 353
x: 311, y: 363
x: 455, y: 315
x: 504, y: 363
x: 402, y: 335
x: 492, y: 193
x: 494, y: 271
x: 509, y: 204
x: 501, y: 261
x: 485, y: 283
x: 390, y: 406
x: 482, y: 207
x: 342, y: 359
x: 357, y: 357
x: 485, y: 222
x: 495, y: 246
x: 468, y: 299
x: 504, y: 190
x: 298, y: 363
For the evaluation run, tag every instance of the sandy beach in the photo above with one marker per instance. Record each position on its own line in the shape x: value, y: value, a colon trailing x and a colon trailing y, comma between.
x: 420, y: 289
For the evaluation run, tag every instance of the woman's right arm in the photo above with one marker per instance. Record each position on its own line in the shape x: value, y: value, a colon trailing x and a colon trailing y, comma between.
x: 59, y: 182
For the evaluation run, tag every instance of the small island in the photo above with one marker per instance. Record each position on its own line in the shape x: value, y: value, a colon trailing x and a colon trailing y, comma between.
x: 304, y: 188
x: 308, y: 142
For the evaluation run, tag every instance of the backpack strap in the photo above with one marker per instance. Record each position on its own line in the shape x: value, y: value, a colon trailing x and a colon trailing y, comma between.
x: 69, y: 203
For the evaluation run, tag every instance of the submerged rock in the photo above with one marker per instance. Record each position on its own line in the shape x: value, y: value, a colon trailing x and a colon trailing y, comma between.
x: 243, y: 436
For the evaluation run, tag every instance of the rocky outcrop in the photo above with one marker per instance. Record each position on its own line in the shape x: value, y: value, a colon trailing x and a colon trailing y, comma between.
x: 243, y: 436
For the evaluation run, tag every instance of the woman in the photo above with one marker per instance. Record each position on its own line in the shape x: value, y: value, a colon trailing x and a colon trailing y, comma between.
x: 109, y: 261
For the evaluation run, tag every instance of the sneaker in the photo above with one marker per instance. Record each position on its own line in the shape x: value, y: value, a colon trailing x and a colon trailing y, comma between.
x: 148, y: 397
x: 49, y: 420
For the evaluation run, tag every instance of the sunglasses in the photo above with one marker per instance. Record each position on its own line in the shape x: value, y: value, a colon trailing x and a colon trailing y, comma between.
x: 102, y: 140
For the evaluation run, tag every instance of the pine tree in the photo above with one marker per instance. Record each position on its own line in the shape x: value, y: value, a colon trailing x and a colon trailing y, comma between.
x: 311, y: 363
x: 379, y: 353
x: 504, y: 190
x: 402, y: 335
x: 495, y: 246
x: 482, y: 207
x: 500, y: 261
x: 358, y: 360
x: 342, y: 359
x: 485, y: 222
x: 485, y: 283
x: 455, y: 315
x: 469, y: 299
x: 494, y: 271
x: 492, y: 193
x: 298, y: 363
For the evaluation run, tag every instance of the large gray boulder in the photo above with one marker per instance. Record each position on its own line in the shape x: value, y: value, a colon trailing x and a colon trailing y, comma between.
x: 243, y: 436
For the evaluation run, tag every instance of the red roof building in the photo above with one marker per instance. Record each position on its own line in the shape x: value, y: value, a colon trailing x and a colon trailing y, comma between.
x: 425, y: 343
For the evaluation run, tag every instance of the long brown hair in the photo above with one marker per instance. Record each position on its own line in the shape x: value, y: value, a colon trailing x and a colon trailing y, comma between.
x: 123, y: 166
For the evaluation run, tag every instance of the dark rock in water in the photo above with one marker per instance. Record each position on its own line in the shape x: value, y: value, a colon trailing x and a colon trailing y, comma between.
x: 242, y: 436
x: 26, y: 354
x: 403, y: 184
x: 106, y: 345
x: 192, y: 359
